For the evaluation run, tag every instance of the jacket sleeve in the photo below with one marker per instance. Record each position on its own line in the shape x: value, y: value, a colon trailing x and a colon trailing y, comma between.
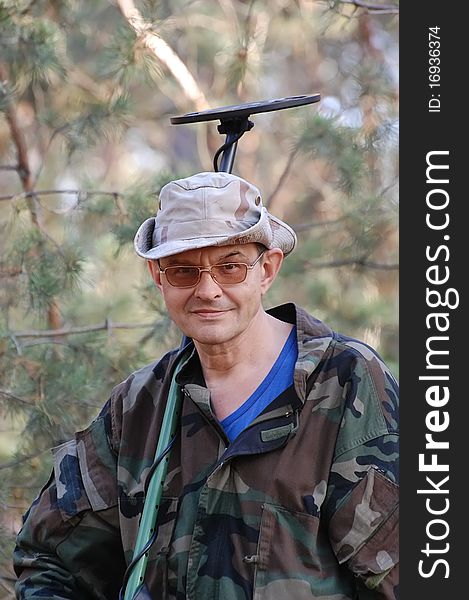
x: 363, y: 500
x: 69, y: 545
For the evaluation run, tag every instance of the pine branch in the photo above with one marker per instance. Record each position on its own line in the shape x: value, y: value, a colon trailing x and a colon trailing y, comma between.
x: 230, y: 12
x: 311, y: 225
x: 372, y: 8
x: 22, y: 459
x: 164, y: 53
x: 82, y: 194
x: 23, y: 167
x: 282, y: 177
x: 6, y: 587
x: 86, y: 83
x: 9, y: 396
x: 27, y: 8
x: 82, y: 80
x: 10, y: 272
x: 106, y: 326
x: 361, y: 262
x: 25, y: 175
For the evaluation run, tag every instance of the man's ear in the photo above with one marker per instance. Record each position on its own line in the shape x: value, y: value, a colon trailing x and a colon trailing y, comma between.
x: 154, y: 269
x: 271, y: 263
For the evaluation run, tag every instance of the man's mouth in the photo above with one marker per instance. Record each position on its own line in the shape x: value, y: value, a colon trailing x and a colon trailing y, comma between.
x: 207, y: 313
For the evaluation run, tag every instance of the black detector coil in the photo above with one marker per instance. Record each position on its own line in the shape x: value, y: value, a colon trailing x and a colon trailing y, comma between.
x: 234, y: 122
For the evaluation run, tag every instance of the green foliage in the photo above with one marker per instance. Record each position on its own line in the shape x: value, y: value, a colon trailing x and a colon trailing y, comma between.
x: 323, y: 137
x: 99, y: 121
x: 237, y: 66
x: 49, y: 270
x: 34, y: 48
x: 140, y: 203
x: 6, y: 95
x: 127, y: 61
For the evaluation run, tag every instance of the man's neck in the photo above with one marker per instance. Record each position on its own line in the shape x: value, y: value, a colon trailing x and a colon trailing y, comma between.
x: 261, y: 338
x: 234, y: 370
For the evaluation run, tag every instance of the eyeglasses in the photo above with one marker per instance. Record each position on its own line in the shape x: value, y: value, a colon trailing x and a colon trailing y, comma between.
x: 186, y: 276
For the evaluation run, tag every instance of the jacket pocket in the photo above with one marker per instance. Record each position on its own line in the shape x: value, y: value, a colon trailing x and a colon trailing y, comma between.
x: 289, y: 562
x: 85, y: 473
x: 364, y: 530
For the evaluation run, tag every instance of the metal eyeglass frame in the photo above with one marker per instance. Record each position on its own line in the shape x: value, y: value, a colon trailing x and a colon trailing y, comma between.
x: 209, y: 271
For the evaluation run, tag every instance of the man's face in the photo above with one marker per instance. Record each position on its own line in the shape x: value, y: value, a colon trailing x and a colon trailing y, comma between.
x: 212, y: 313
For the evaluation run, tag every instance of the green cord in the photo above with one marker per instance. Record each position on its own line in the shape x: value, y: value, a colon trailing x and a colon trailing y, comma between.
x: 155, y: 487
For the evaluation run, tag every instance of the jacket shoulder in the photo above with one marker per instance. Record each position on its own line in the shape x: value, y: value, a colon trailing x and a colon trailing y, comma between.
x: 371, y: 392
x: 141, y: 386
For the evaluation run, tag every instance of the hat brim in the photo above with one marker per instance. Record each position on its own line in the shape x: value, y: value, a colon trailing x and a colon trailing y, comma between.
x: 268, y: 231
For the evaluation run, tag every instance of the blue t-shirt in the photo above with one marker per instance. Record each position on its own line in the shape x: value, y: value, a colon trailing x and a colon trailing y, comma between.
x: 279, y: 378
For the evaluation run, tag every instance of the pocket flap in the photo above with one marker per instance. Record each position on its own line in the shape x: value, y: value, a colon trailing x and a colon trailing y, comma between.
x: 367, y: 508
x: 98, y: 466
x: 85, y: 472
x: 71, y: 495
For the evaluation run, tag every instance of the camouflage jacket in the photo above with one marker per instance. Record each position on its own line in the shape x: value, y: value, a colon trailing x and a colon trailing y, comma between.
x: 303, y: 504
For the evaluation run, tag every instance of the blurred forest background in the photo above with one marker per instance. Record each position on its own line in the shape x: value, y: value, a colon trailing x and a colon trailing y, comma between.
x: 86, y: 93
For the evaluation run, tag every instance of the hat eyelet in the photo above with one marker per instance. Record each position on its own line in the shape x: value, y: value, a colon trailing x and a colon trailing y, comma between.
x: 257, y: 200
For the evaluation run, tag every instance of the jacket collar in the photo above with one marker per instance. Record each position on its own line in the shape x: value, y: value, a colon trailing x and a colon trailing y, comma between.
x: 314, y: 338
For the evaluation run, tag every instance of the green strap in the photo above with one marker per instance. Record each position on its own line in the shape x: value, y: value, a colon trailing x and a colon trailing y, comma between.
x: 155, y: 487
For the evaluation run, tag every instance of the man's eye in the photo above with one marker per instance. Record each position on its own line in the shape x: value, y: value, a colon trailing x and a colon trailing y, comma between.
x: 184, y: 270
x: 231, y: 268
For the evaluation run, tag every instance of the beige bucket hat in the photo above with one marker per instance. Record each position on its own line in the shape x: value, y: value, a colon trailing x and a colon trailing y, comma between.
x: 210, y: 209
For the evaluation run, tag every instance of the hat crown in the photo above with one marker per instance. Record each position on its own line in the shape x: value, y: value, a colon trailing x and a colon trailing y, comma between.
x: 209, y: 209
x: 207, y: 199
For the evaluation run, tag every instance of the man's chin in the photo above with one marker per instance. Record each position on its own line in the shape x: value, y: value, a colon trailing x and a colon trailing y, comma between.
x: 210, y: 334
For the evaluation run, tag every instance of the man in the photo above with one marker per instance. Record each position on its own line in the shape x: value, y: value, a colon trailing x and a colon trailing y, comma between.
x: 282, y: 482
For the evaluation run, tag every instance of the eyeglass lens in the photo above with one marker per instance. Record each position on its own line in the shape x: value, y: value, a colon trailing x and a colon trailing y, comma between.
x: 188, y: 276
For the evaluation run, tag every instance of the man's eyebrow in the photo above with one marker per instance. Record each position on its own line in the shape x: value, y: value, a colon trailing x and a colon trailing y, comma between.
x: 231, y: 255
x: 175, y: 261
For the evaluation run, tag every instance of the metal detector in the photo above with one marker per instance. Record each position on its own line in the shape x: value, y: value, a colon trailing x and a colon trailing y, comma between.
x: 234, y: 122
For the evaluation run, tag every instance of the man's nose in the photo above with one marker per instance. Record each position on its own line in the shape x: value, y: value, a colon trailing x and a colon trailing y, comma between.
x: 207, y: 287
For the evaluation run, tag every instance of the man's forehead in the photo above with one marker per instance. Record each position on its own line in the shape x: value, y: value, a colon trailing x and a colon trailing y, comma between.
x: 213, y: 253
